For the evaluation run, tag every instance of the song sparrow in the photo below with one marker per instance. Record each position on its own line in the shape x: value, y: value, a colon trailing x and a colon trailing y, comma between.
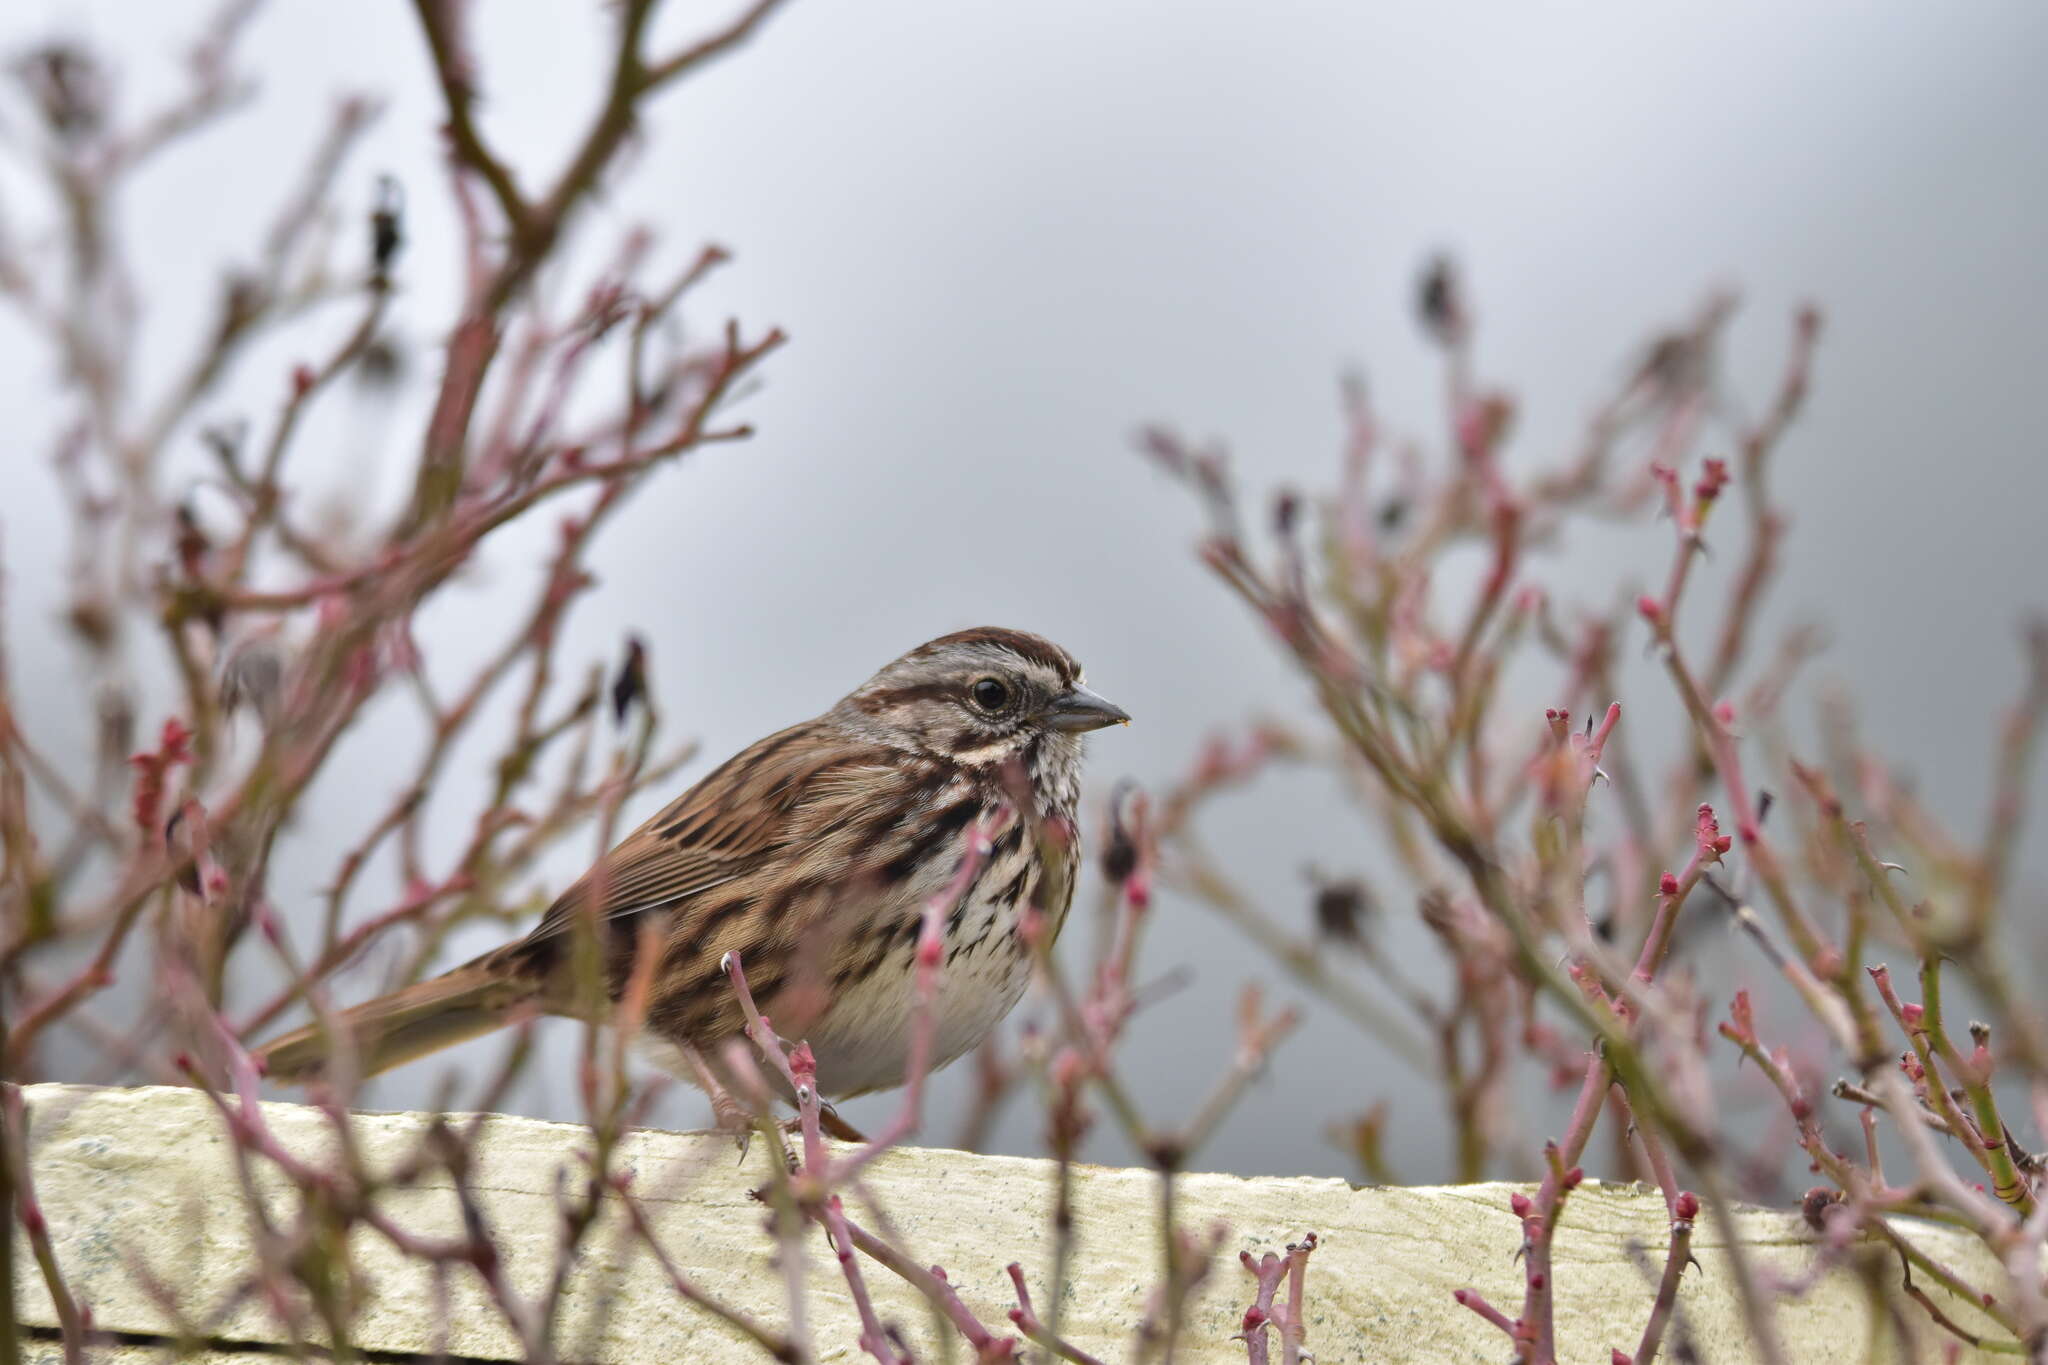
x: 812, y: 854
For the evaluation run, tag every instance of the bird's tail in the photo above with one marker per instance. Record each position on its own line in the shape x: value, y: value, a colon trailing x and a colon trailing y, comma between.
x: 465, y: 1003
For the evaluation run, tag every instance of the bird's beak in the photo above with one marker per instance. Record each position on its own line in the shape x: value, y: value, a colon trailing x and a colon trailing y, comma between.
x: 1078, y: 709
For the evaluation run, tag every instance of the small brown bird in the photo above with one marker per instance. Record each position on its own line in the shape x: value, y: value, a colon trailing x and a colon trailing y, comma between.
x: 811, y: 854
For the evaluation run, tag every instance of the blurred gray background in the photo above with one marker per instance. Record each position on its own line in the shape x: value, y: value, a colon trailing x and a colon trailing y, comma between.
x: 1001, y: 236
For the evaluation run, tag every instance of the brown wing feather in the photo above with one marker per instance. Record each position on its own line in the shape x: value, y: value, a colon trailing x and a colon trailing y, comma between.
x: 778, y: 823
x: 669, y: 857
x: 747, y: 860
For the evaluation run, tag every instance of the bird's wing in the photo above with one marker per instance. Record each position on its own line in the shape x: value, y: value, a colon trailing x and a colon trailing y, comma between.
x: 790, y: 854
x: 726, y: 826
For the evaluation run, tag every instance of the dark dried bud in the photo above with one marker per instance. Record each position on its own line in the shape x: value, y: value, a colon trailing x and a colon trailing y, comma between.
x: 188, y: 868
x: 70, y: 89
x: 1343, y: 911
x: 381, y: 362
x: 387, y: 227
x: 1120, y: 849
x: 242, y: 300
x: 252, y: 675
x: 192, y: 544
x: 1286, y: 511
x: 1441, y: 303
x: 1814, y: 1207
x: 92, y: 621
x: 631, y: 684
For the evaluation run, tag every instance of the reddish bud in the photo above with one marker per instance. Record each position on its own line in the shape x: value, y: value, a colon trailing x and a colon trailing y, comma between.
x: 1742, y: 1018
x: 1913, y: 1015
x: 152, y: 769
x: 1573, y: 1176
x: 1707, y: 832
x: 1724, y: 843
x: 1651, y: 610
x: 1620, y: 1357
x: 1521, y: 1205
x: 1686, y: 1206
x: 1668, y: 885
x: 1536, y: 1282
x: 1713, y: 478
x: 303, y: 380
x: 1254, y: 1318
x: 1725, y: 712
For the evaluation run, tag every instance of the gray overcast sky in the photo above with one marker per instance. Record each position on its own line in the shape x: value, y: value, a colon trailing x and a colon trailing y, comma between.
x: 1001, y: 236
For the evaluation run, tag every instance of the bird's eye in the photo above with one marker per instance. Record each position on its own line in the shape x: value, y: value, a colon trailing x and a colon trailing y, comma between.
x: 990, y: 694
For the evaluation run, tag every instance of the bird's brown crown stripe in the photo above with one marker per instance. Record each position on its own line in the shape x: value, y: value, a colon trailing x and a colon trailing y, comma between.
x: 1036, y: 648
